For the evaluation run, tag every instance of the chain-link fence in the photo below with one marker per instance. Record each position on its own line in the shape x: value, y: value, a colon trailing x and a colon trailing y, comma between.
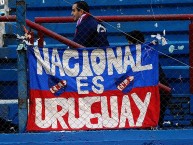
x: 166, y: 24
x: 8, y: 72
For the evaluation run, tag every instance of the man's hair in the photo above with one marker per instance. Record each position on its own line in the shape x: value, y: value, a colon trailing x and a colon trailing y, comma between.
x: 82, y: 5
x: 135, y: 37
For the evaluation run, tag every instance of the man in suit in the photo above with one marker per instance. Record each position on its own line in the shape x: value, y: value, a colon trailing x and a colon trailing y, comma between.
x: 89, y: 31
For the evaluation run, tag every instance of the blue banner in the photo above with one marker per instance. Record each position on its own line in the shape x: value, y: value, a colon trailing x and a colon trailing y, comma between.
x: 122, y: 74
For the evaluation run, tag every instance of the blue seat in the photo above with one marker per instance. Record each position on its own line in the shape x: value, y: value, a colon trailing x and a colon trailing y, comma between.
x: 8, y: 73
x: 8, y: 84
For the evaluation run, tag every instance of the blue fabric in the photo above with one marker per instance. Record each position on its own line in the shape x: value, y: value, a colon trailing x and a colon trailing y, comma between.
x: 87, y: 34
x: 87, y: 60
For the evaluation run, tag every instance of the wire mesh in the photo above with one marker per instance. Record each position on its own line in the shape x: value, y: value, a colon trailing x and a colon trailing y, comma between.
x: 172, y: 35
x: 8, y: 83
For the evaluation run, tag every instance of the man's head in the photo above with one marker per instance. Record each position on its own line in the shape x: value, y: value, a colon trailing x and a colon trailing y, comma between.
x: 78, y: 9
x: 135, y: 37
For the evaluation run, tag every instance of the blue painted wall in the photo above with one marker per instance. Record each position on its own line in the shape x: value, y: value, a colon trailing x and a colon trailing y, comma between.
x: 122, y: 137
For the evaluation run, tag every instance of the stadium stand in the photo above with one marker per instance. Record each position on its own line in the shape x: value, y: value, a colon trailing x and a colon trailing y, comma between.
x: 180, y: 110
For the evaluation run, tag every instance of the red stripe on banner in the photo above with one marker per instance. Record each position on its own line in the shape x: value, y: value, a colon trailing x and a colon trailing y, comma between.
x: 110, y: 110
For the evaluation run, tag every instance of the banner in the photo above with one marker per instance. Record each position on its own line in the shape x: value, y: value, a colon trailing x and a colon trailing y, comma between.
x: 93, y: 88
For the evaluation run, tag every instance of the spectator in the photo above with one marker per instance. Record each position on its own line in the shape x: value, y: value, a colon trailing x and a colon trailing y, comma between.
x: 137, y: 37
x: 89, y: 31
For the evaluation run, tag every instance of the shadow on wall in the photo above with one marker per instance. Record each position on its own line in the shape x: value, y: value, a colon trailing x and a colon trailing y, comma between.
x: 7, y: 126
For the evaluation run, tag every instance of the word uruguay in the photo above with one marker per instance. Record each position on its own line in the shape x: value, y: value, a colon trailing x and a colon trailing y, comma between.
x: 95, y: 63
x: 55, y: 118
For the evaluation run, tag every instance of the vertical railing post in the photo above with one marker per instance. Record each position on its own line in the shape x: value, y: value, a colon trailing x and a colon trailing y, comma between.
x: 22, y: 67
x: 191, y: 55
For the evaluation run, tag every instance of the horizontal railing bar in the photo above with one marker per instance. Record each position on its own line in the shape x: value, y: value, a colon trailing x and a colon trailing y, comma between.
x: 10, y: 18
x: 119, y: 18
x: 53, y: 34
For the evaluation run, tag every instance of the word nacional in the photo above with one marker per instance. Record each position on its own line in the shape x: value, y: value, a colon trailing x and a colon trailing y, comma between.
x: 94, y: 63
